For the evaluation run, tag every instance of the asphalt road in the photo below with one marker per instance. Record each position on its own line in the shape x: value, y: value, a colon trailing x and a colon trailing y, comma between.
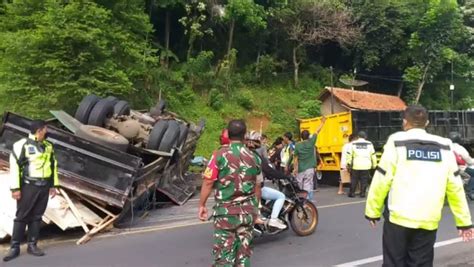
x: 343, y: 237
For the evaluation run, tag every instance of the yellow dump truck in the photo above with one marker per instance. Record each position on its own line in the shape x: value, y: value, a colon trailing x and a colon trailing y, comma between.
x: 332, y: 137
x: 378, y: 125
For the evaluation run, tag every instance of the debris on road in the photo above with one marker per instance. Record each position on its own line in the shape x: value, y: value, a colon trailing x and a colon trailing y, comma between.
x: 114, y: 163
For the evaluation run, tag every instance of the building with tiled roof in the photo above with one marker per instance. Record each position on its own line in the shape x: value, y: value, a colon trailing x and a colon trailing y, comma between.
x: 347, y: 99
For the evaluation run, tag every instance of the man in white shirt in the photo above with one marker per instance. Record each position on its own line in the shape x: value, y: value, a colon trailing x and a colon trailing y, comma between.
x: 345, y: 176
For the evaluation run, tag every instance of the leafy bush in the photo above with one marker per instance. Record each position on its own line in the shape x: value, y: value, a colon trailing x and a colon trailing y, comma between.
x: 198, y: 70
x: 245, y: 99
x: 57, y: 53
x: 267, y: 67
x: 308, y: 109
x: 216, y: 99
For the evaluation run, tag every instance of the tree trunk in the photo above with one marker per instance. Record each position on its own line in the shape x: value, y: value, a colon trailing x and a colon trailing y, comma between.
x: 296, y: 65
x: 257, y: 74
x: 167, y: 38
x: 422, y: 83
x: 231, y: 36
x: 190, y: 46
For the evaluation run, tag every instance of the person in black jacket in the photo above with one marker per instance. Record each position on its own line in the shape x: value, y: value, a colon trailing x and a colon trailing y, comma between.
x: 268, y: 193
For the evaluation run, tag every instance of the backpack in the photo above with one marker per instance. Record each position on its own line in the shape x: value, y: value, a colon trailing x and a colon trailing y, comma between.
x: 459, y: 160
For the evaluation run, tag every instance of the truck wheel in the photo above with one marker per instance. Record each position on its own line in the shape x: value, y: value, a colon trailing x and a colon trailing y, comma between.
x: 103, y: 136
x: 112, y: 99
x: 122, y: 108
x: 85, y: 107
x: 102, y: 110
x: 161, y: 106
x: 183, y: 134
x: 170, y: 138
x: 158, y: 109
x: 156, y: 134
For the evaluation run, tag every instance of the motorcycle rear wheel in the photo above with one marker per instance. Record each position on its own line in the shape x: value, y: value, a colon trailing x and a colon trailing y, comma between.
x: 304, y: 223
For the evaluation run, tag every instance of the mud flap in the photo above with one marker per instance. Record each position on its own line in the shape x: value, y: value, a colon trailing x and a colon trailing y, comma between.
x: 174, y: 185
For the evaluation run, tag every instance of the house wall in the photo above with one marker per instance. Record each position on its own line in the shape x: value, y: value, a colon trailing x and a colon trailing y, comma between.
x: 326, y: 106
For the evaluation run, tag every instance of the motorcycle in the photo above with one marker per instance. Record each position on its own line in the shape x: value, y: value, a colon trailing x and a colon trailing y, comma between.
x: 298, y: 212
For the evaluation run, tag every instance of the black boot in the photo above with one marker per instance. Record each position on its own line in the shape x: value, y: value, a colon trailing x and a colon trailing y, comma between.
x: 33, y: 234
x: 13, y: 252
x: 362, y: 191
x: 17, y: 236
x: 351, y: 190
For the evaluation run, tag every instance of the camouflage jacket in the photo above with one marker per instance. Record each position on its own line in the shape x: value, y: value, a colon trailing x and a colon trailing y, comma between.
x: 238, y: 168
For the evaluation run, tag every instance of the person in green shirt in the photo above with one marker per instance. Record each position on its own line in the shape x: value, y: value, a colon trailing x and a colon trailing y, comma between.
x: 304, y: 160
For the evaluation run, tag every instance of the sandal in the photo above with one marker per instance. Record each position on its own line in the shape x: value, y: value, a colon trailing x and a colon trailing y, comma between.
x: 341, y: 193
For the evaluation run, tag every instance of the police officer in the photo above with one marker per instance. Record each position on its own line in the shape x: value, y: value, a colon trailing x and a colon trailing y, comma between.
x: 361, y: 159
x: 419, y: 170
x: 34, y: 176
x: 232, y: 171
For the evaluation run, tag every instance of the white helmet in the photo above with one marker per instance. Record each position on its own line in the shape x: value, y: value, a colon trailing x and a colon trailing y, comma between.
x: 253, y: 135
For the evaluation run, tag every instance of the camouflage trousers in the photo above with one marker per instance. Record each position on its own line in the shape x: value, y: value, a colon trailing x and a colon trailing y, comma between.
x: 232, y: 239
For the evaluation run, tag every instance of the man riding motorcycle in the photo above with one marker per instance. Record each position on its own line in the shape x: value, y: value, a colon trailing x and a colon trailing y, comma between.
x: 268, y: 193
x: 464, y: 161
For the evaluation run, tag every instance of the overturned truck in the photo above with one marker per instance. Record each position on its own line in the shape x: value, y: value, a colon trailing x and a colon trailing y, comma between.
x: 118, y: 159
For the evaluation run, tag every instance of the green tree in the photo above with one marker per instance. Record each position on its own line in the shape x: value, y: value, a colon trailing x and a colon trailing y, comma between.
x: 245, y: 12
x: 166, y: 54
x: 51, y: 53
x: 193, y: 22
x: 385, y: 31
x: 433, y: 44
x: 313, y: 23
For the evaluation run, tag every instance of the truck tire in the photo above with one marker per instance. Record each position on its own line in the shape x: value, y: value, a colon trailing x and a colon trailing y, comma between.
x: 112, y: 99
x: 156, y: 134
x: 158, y: 109
x: 103, y: 136
x: 102, y: 110
x: 85, y: 108
x: 122, y: 108
x: 161, y: 106
x: 170, y: 138
x: 183, y: 134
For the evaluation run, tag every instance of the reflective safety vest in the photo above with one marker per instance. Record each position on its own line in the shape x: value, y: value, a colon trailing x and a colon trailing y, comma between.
x: 417, y: 172
x: 34, y: 160
x: 286, y: 154
x: 361, y: 155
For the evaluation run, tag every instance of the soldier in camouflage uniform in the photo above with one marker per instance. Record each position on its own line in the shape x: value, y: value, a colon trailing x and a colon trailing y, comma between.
x: 232, y: 171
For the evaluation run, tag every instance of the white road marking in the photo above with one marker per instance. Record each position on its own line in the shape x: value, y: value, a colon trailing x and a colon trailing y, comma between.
x: 340, y: 204
x: 380, y: 257
x: 361, y: 262
x: 174, y: 225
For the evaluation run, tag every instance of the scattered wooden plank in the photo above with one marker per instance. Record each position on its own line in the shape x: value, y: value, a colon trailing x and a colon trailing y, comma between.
x: 95, y: 230
x: 94, y: 204
x: 59, y: 212
x: 74, y: 210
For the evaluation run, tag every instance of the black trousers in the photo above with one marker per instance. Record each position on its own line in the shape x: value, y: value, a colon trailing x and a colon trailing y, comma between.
x: 407, y: 247
x: 361, y: 176
x: 32, y: 203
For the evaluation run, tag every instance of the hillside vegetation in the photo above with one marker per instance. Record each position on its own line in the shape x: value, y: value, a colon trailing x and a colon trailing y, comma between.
x: 262, y: 60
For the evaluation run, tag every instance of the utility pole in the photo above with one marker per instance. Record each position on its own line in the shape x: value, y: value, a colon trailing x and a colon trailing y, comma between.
x: 451, y: 86
x: 352, y: 87
x: 332, y: 92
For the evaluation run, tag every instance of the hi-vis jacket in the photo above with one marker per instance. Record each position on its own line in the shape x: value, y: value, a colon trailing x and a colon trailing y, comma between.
x: 34, y: 160
x: 361, y: 155
x: 417, y: 171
